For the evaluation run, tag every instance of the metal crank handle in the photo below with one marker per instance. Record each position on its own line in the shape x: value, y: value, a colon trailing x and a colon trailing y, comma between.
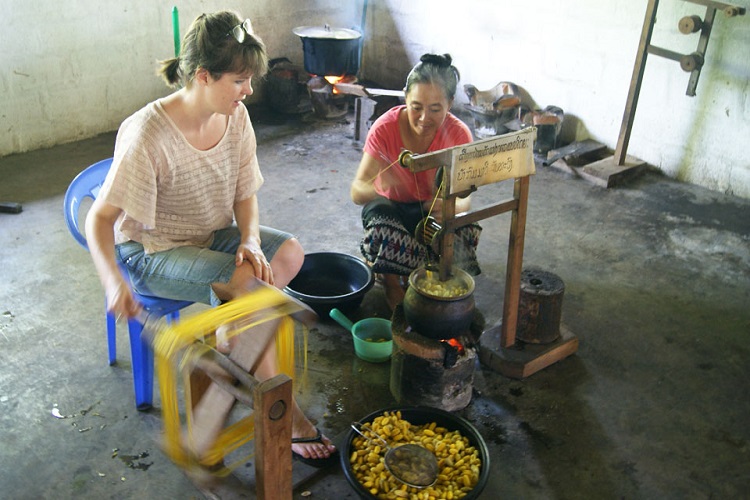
x: 242, y: 390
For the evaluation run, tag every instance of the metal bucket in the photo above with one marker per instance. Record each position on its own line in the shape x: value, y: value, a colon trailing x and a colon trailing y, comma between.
x: 330, y: 51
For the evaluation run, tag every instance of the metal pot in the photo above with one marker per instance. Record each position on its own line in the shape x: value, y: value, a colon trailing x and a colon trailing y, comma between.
x: 433, y: 311
x: 329, y: 51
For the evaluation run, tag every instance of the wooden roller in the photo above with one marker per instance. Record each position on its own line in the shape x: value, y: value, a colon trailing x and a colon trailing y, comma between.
x: 691, y: 62
x: 690, y: 24
x: 732, y: 10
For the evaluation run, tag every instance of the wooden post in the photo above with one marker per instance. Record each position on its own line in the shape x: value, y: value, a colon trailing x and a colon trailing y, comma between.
x: 515, y: 262
x: 708, y: 22
x: 446, y: 242
x: 635, y: 83
x: 477, y: 166
x: 273, y: 438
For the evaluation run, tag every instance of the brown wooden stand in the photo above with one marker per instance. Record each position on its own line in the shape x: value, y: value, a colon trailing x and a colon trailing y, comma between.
x: 498, y: 348
x: 501, y: 351
x: 521, y: 360
x: 273, y: 432
x: 612, y: 170
x: 191, y: 353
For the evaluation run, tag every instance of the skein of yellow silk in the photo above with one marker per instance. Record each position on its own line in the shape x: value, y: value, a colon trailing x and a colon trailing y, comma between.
x: 178, y: 345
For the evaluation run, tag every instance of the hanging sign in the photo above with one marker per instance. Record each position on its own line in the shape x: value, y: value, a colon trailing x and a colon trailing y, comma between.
x: 492, y: 160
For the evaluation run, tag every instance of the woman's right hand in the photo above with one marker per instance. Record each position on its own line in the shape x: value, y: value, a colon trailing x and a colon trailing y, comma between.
x: 120, y: 301
x: 101, y: 240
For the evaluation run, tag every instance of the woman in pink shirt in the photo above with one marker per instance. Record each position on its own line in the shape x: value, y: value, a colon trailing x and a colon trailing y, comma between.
x: 394, y: 199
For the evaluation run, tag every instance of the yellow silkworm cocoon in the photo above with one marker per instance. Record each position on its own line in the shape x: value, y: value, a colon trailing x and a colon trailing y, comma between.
x: 459, y: 464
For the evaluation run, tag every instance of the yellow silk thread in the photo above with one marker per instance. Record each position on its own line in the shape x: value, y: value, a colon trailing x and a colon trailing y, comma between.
x: 179, y: 344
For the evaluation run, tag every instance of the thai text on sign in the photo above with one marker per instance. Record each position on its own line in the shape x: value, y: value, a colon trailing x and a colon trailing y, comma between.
x: 492, y: 160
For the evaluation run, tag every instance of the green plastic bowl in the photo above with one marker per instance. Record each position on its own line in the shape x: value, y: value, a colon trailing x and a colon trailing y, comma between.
x: 373, y: 339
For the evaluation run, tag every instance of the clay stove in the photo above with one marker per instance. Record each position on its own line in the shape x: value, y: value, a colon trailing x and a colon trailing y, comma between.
x: 327, y: 100
x: 431, y: 372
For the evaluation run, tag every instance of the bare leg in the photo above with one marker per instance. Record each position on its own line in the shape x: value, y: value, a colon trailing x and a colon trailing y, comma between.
x: 285, y: 265
x: 265, y: 368
x: 213, y: 408
x: 287, y: 262
x: 254, y: 352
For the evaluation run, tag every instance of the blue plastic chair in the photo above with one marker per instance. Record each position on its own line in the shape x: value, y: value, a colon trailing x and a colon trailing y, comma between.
x: 87, y: 185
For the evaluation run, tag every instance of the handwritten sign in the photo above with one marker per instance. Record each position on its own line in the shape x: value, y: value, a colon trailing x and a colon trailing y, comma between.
x: 492, y: 160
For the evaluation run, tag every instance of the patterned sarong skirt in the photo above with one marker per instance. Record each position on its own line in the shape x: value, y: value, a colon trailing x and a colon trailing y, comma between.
x: 390, y: 247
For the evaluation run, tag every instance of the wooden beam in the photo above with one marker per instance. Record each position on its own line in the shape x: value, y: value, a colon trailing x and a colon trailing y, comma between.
x: 729, y: 9
x: 635, y: 83
x: 515, y: 262
x: 708, y: 22
x: 273, y: 438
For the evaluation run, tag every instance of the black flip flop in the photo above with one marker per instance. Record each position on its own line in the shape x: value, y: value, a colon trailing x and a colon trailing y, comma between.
x: 315, y: 462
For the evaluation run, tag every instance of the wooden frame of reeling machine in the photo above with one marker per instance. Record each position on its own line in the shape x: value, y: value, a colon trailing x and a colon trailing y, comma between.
x: 464, y: 169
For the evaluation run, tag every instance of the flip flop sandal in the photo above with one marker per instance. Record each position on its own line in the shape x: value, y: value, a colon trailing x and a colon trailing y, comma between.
x: 315, y: 462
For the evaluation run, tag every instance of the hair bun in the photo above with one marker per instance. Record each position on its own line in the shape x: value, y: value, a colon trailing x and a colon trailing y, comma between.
x: 443, y: 61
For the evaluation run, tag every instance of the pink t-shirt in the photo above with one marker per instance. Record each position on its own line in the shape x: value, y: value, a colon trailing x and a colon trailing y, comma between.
x: 172, y: 194
x: 384, y: 143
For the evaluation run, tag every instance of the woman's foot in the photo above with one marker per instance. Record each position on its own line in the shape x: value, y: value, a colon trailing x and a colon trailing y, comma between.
x: 312, y: 445
x: 316, y: 450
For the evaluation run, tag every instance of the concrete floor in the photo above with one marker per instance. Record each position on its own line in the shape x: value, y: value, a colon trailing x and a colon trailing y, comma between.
x: 654, y: 404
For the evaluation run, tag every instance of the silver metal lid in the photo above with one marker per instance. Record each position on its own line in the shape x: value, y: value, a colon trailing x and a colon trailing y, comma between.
x: 326, y: 32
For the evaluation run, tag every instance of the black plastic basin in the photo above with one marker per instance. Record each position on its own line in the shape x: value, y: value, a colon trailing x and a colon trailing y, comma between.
x: 331, y: 279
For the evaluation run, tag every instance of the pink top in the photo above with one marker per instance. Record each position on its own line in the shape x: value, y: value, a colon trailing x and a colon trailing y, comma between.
x: 384, y: 143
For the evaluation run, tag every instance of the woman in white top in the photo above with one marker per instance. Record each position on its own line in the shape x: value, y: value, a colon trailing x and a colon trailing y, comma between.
x: 184, y: 169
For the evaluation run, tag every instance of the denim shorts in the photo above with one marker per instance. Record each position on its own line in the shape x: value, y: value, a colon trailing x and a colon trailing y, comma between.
x: 187, y: 272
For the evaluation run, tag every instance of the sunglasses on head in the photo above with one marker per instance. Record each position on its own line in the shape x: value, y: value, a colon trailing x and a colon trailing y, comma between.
x: 239, y: 31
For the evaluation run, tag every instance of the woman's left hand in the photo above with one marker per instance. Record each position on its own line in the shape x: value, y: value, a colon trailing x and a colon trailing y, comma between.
x: 251, y: 253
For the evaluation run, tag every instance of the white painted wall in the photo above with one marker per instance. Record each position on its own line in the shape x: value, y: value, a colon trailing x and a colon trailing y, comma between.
x: 72, y: 69
x: 579, y: 55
